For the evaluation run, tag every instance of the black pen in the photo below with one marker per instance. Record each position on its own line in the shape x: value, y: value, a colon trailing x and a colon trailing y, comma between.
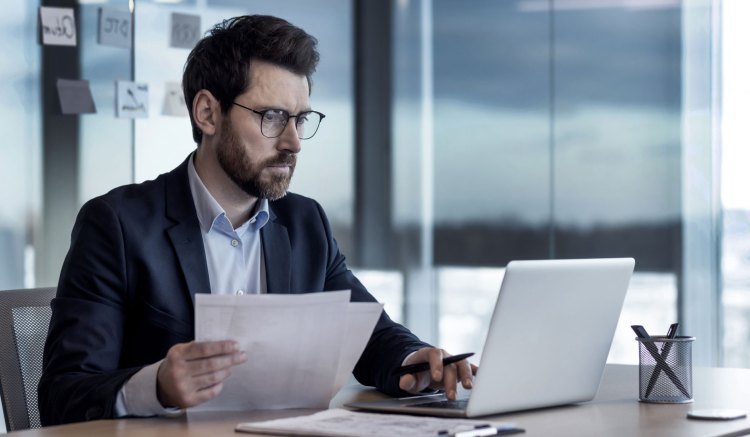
x: 640, y: 331
x: 671, y: 333
x: 421, y: 367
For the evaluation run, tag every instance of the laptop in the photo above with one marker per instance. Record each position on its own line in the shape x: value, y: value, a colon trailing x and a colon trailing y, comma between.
x: 547, y: 344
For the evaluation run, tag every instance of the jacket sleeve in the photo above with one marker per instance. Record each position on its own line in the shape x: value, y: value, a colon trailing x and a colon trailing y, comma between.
x: 81, y: 375
x: 390, y: 342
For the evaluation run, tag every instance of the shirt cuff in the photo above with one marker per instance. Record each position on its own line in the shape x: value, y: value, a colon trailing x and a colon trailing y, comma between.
x: 137, y: 397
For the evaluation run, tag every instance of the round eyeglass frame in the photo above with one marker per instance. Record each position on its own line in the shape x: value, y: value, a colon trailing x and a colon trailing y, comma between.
x: 288, y: 116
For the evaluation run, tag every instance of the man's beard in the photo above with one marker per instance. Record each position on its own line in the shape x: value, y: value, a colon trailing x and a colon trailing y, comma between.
x: 246, y: 173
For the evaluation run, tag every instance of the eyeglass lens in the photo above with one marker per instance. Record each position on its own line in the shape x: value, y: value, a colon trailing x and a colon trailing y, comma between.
x: 275, y: 120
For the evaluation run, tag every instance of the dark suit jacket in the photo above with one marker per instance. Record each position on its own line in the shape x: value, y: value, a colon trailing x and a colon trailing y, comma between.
x: 127, y: 287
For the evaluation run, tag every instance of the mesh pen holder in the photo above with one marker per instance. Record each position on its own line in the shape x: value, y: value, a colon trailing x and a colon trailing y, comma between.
x: 665, y: 369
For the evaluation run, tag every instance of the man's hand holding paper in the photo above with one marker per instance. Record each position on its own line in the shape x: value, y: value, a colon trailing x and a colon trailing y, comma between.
x: 312, y: 341
x: 193, y: 373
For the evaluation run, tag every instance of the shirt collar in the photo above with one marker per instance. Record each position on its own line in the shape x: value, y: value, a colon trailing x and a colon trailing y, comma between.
x: 208, y: 209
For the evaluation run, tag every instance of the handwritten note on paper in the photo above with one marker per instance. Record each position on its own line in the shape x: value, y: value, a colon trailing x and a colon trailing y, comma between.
x: 132, y: 100
x: 58, y: 26
x: 115, y: 27
x: 174, y: 100
x: 185, y: 30
x: 75, y: 97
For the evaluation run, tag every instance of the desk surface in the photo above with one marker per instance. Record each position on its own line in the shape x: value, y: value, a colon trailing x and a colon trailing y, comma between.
x: 614, y: 412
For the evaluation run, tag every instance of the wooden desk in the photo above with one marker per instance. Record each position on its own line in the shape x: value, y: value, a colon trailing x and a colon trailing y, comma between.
x: 614, y: 412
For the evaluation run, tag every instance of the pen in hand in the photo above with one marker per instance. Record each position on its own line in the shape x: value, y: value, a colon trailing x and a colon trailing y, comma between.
x: 421, y: 367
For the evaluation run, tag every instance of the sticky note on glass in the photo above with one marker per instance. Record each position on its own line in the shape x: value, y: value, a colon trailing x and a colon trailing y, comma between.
x: 132, y: 99
x: 115, y: 27
x: 58, y: 26
x: 185, y: 30
x: 75, y: 97
x: 174, y: 100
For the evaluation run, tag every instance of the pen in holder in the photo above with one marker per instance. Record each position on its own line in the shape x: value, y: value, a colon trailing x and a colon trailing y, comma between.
x: 665, y: 369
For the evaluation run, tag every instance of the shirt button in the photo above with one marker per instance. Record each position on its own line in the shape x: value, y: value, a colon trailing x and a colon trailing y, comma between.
x: 235, y: 243
x: 240, y: 292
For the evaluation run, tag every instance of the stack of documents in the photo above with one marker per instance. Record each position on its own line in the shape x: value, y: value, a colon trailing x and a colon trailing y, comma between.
x: 301, y: 348
x: 343, y: 423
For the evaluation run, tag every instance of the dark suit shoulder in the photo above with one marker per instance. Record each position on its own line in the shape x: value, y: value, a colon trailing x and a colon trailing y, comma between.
x: 143, y: 200
x: 129, y: 193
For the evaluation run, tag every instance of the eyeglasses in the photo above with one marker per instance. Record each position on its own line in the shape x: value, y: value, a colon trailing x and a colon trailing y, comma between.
x: 274, y: 121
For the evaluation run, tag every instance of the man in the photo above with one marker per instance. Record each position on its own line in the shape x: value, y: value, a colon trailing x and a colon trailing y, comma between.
x: 120, y: 341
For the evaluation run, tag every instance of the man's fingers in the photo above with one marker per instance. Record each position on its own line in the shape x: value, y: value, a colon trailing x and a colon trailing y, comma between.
x: 439, y: 376
x: 203, y: 395
x: 205, y: 349
x: 208, y: 380
x: 449, y: 381
x: 208, y: 365
x: 407, y: 383
x: 464, y: 373
x: 194, y: 372
x: 435, y: 359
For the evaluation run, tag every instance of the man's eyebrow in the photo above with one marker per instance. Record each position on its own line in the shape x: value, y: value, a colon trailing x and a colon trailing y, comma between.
x: 267, y: 107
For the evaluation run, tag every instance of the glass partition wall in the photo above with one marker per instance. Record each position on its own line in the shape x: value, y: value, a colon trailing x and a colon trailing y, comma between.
x: 490, y: 131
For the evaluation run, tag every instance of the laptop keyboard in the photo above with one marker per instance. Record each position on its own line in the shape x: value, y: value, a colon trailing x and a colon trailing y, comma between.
x: 459, y: 404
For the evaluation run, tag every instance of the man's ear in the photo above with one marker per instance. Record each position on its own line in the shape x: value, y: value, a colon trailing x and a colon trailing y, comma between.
x: 206, y: 112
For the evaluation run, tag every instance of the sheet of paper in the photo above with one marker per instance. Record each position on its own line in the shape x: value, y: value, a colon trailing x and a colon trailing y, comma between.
x: 132, y: 99
x: 75, y: 97
x: 361, y: 318
x: 185, y: 31
x: 295, y: 344
x: 174, y: 100
x: 58, y: 26
x: 340, y: 422
x: 115, y: 27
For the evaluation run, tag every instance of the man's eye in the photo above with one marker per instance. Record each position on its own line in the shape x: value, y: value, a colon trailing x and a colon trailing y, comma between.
x: 274, y: 116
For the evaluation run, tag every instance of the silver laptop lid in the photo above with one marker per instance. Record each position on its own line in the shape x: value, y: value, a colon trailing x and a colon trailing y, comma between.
x: 550, y: 334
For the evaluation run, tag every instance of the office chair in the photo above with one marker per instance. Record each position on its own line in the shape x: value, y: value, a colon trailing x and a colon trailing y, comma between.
x: 24, y: 320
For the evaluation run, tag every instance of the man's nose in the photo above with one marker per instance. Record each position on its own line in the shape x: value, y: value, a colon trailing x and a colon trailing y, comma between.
x: 289, y: 138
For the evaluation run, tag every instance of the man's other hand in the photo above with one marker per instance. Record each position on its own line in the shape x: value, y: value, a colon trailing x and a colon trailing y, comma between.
x: 439, y: 376
x: 194, y: 372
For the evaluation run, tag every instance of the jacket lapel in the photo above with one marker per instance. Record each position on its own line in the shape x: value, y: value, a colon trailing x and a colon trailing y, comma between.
x: 277, y: 252
x: 185, y: 234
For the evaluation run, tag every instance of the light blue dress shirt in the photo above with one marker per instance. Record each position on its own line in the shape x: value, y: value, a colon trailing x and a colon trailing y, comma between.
x: 234, y: 256
x: 235, y: 266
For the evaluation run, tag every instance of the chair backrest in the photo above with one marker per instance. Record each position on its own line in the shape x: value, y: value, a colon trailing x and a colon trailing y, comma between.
x: 24, y: 321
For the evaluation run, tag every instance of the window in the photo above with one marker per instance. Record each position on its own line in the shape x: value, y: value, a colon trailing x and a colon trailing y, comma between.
x: 735, y: 261
x: 554, y: 132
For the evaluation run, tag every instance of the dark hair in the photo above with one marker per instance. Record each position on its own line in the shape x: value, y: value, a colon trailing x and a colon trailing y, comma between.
x: 220, y: 62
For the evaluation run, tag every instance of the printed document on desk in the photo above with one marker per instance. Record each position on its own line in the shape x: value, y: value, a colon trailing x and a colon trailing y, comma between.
x: 338, y: 422
x: 300, y: 348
